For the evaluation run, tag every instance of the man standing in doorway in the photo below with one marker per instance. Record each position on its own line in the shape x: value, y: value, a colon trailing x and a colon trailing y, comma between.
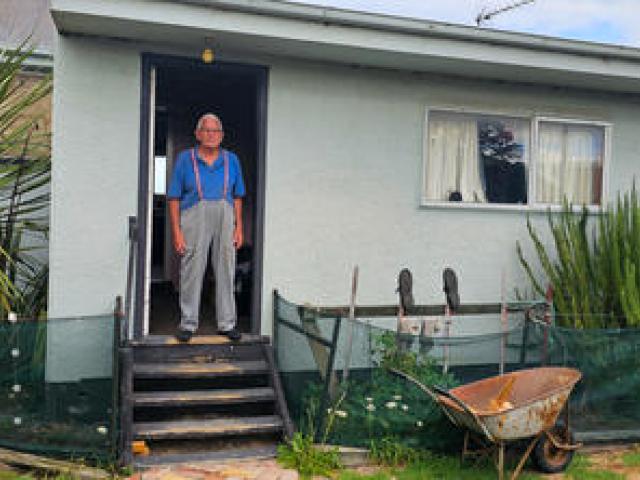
x: 205, y: 208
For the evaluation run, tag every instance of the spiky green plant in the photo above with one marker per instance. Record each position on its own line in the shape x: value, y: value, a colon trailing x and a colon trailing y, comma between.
x: 24, y: 188
x: 595, y: 274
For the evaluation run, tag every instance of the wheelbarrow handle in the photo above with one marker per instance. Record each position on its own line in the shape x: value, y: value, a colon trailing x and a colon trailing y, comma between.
x: 436, y: 390
x: 416, y: 382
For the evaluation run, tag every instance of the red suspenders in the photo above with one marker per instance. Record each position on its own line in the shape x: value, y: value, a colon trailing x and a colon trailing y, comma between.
x: 196, y: 171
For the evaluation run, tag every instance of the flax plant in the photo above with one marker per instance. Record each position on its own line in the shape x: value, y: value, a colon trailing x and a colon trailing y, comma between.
x: 595, y: 268
x: 24, y: 188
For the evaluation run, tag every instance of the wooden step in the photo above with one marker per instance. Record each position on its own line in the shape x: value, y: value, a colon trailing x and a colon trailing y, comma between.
x: 171, y: 341
x: 223, y: 455
x: 199, y: 370
x: 207, y: 428
x: 203, y: 397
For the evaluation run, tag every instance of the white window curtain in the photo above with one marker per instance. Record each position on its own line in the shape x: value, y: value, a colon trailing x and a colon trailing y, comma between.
x: 453, y: 159
x: 569, y: 163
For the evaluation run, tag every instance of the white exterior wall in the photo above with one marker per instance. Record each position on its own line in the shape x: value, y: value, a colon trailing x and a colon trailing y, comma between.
x: 94, y: 190
x: 344, y: 179
x: 343, y: 183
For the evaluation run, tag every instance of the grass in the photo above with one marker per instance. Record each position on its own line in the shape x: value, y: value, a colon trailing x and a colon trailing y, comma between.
x: 631, y: 459
x: 435, y: 468
x: 444, y: 467
x: 581, y: 469
x: 11, y: 475
x: 14, y: 475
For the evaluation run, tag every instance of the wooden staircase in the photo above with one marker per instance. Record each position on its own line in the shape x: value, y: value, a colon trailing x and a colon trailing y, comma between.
x: 209, y: 399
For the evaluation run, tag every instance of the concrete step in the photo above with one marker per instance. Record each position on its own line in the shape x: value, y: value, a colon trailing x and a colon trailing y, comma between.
x: 192, y: 429
x: 203, y: 397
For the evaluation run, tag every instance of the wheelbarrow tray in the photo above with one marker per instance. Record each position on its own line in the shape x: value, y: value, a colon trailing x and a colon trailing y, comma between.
x: 513, y: 406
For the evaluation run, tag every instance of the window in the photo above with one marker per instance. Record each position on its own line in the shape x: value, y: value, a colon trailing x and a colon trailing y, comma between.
x: 489, y: 159
x: 570, y: 160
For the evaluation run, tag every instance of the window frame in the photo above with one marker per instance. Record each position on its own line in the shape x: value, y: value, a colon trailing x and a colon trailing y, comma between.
x: 534, y: 121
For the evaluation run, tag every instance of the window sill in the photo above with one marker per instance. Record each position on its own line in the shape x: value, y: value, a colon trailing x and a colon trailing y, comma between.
x: 503, y: 207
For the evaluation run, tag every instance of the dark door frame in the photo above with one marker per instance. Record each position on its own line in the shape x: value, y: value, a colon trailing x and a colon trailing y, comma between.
x: 149, y: 61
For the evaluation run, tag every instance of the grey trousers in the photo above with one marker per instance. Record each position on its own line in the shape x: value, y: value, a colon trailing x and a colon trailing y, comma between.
x: 208, y: 225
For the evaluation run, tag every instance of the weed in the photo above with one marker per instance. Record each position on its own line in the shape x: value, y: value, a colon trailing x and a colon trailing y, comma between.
x: 390, y: 451
x: 305, y: 457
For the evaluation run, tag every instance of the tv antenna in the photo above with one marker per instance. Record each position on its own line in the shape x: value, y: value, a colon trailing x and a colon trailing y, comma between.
x: 485, y: 14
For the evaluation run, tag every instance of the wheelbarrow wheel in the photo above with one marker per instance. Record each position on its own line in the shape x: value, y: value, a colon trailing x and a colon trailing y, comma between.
x: 548, y: 457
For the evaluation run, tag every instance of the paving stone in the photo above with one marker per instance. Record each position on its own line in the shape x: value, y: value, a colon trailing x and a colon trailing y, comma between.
x: 267, y: 469
x: 288, y: 475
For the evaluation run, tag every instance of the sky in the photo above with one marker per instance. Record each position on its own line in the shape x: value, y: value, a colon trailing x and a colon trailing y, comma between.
x: 604, y: 21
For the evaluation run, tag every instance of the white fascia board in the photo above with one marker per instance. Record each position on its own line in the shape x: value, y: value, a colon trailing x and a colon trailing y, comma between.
x: 364, y: 39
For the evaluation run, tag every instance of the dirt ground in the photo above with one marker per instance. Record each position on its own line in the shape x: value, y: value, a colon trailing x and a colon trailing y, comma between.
x: 608, y: 458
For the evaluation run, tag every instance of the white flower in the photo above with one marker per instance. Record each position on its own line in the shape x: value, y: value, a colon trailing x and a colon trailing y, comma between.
x: 15, y: 353
x: 391, y: 405
x: 16, y: 388
x: 102, y: 430
x: 369, y: 399
x: 341, y: 413
x: 419, y: 423
x: 397, y: 398
x: 405, y: 407
x: 329, y: 410
x: 12, y: 317
x: 371, y: 407
x: 17, y: 421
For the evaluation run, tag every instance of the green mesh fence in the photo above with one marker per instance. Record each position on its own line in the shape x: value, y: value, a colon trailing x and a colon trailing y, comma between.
x: 57, y: 391
x: 451, y: 351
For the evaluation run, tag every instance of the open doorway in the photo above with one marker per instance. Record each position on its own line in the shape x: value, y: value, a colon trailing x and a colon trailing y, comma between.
x: 182, y: 91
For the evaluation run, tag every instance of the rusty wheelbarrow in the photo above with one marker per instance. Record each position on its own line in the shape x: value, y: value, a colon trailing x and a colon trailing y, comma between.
x: 516, y: 406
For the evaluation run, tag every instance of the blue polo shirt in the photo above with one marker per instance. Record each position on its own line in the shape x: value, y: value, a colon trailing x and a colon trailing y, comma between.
x: 183, y: 181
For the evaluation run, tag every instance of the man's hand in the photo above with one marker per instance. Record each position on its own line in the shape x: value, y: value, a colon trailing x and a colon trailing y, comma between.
x: 179, y: 244
x: 237, y: 237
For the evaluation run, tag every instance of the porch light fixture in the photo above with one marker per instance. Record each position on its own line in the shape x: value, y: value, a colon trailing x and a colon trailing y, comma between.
x: 207, y: 52
x: 207, y: 55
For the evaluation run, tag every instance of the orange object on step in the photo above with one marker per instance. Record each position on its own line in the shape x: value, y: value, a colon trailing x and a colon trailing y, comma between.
x: 139, y: 447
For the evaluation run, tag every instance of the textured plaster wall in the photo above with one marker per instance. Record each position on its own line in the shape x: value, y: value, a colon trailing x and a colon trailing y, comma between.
x: 344, y: 179
x: 94, y: 189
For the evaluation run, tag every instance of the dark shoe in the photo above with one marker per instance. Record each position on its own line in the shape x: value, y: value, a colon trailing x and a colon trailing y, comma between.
x: 405, y: 287
x: 450, y: 281
x: 183, y: 335
x: 234, y: 335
